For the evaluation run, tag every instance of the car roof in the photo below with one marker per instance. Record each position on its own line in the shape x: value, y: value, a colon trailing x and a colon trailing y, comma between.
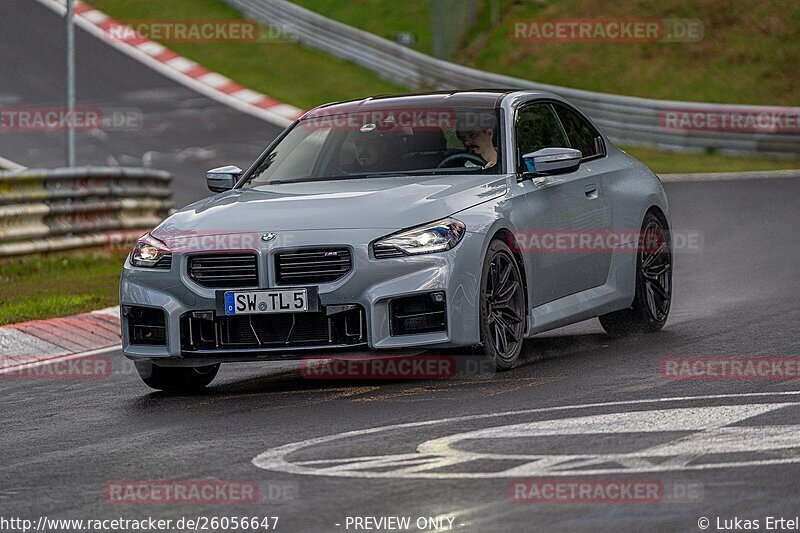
x: 484, y: 98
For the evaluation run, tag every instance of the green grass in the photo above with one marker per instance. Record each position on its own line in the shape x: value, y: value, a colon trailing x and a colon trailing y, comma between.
x: 384, y: 18
x: 58, y: 285
x: 749, y: 60
x: 747, y: 56
x: 663, y: 162
x: 286, y: 71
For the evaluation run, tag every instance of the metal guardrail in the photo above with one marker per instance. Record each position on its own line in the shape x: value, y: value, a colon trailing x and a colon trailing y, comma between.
x: 46, y: 210
x: 747, y: 175
x: 627, y: 120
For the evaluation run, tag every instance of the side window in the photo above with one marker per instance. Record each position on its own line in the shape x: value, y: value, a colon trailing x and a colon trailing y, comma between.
x: 582, y: 136
x: 538, y: 127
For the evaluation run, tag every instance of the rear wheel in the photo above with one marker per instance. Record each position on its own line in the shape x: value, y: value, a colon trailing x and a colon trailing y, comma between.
x: 502, y: 306
x: 653, y: 298
x: 176, y: 378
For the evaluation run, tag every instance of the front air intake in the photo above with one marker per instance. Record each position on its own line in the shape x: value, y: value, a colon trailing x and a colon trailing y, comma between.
x: 312, y: 266
x: 224, y: 271
x: 424, y: 313
x: 146, y: 325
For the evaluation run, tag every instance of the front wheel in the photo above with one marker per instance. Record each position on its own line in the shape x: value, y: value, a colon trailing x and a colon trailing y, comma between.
x: 502, y: 304
x: 176, y: 378
x: 653, y: 298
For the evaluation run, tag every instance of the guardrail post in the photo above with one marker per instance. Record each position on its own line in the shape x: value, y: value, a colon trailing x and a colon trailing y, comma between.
x: 70, y: 84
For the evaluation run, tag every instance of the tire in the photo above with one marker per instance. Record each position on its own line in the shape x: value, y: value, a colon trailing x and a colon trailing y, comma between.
x: 176, y: 378
x: 653, y: 298
x: 502, y: 303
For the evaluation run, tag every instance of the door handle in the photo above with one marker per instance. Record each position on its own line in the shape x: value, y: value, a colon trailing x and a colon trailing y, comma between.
x: 590, y: 191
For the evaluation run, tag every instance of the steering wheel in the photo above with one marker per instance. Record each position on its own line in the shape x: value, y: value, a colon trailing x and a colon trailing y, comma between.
x: 466, y: 156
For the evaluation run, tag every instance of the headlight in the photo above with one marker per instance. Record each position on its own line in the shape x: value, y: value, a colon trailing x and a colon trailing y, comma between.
x: 148, y: 252
x: 429, y: 238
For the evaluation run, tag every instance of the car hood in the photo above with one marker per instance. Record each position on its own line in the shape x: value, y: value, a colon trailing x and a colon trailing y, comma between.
x: 390, y: 203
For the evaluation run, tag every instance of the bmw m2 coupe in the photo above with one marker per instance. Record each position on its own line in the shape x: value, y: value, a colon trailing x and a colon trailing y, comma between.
x: 467, y: 218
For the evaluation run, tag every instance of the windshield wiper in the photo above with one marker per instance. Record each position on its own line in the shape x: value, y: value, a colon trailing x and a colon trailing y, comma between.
x: 285, y: 182
x: 331, y: 178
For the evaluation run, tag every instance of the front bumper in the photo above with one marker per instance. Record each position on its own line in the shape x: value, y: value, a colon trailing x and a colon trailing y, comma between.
x: 371, y: 284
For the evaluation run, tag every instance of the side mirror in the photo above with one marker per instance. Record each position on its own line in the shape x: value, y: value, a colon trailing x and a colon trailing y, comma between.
x: 223, y: 178
x: 549, y: 161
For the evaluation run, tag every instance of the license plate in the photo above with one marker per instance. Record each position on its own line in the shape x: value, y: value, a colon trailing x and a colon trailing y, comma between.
x: 259, y: 302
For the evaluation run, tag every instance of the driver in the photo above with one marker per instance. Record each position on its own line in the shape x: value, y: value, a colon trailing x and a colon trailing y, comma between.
x: 476, y: 133
x: 370, y: 149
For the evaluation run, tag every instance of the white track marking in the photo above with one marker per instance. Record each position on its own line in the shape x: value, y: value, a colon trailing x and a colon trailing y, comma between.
x: 95, y: 16
x: 181, y: 64
x: 110, y: 311
x: 10, y: 165
x: 284, y: 110
x: 248, y: 96
x: 214, y: 79
x: 681, y: 419
x: 705, y: 421
x: 152, y: 48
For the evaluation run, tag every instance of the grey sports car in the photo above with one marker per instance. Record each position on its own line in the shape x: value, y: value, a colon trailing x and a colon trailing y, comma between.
x: 467, y: 218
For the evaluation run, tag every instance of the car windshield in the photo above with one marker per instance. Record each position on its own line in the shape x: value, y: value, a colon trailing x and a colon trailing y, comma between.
x: 384, y: 142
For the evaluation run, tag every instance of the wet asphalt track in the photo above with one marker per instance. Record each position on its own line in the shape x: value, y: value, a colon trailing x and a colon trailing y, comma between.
x: 62, y: 441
